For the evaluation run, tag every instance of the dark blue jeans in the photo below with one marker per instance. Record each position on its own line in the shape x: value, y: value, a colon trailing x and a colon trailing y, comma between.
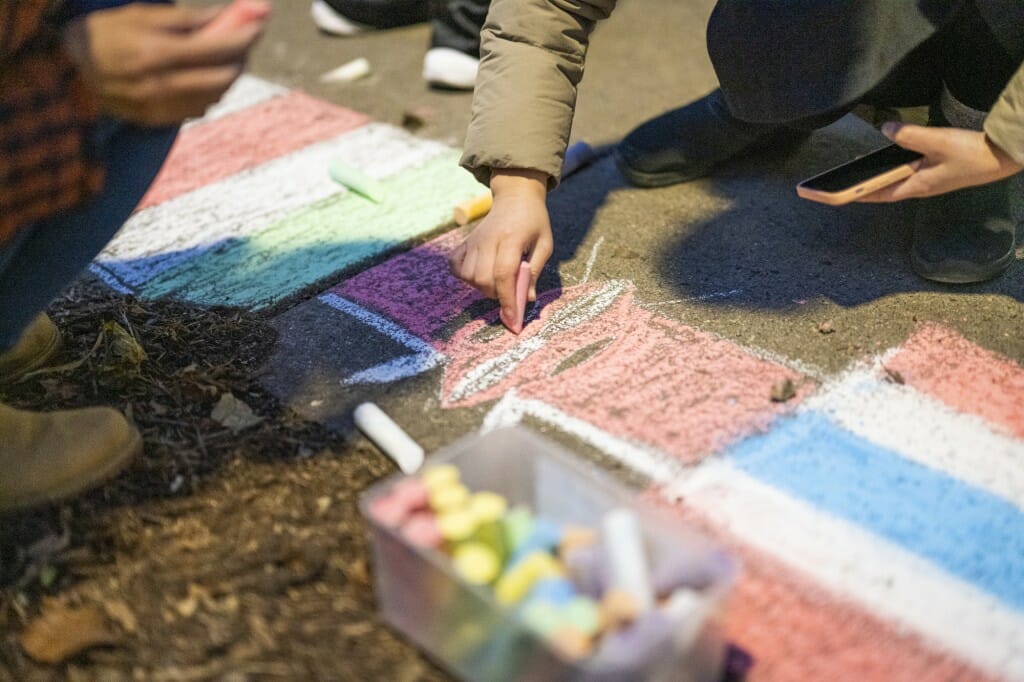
x: 45, y: 257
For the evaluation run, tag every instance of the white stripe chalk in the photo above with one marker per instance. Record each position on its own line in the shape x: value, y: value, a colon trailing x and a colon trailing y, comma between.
x: 389, y: 437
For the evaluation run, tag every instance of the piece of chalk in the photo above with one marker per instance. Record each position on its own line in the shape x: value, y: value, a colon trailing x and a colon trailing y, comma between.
x: 554, y: 590
x: 476, y: 563
x: 389, y: 437
x: 421, y: 530
x: 583, y: 614
x: 618, y: 609
x: 356, y: 180
x: 515, y: 324
x: 517, y: 524
x: 236, y: 15
x: 626, y: 556
x: 456, y: 526
x: 413, y: 493
x: 451, y: 497
x: 440, y: 475
x: 487, y: 509
x: 516, y: 583
x: 632, y: 645
x: 576, y: 536
x: 348, y: 72
x: 544, y: 537
x: 586, y: 567
x: 571, y: 643
x: 473, y: 209
x: 388, y: 510
x: 542, y: 617
x: 577, y: 156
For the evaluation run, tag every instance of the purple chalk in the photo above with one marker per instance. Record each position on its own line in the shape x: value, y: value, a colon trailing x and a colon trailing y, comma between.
x: 586, y: 569
x: 633, y: 645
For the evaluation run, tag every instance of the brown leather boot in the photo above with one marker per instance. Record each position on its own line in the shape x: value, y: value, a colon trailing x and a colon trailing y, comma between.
x: 38, y: 343
x: 48, y: 456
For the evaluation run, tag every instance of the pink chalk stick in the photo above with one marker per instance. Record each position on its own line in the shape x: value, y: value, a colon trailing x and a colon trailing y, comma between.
x: 421, y: 530
x: 412, y: 493
x: 389, y: 510
x: 515, y: 325
x: 236, y: 15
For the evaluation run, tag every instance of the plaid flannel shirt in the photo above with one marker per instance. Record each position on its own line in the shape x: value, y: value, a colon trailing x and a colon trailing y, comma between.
x: 46, y: 117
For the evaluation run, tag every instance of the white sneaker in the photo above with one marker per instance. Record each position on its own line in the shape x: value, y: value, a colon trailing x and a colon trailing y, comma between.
x: 328, y: 20
x: 450, y: 68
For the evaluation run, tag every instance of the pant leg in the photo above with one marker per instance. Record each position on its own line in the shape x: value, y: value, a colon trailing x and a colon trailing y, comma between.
x: 383, y: 13
x: 457, y: 23
x: 50, y: 254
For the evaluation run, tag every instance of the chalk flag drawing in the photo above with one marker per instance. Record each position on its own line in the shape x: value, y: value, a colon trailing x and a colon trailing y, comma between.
x: 879, y: 514
x: 244, y: 212
x: 830, y: 499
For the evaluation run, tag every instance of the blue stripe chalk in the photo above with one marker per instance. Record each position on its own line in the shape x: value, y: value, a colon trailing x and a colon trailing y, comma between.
x: 969, y: 532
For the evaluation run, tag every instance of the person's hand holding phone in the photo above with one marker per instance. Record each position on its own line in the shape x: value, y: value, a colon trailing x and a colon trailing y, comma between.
x: 954, y: 158
x: 517, y: 225
x: 160, y: 64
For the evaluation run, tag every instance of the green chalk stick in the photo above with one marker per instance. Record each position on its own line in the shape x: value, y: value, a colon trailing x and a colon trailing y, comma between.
x: 356, y: 180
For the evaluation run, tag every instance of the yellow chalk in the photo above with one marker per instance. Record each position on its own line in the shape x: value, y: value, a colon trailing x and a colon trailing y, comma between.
x: 474, y: 208
x: 456, y: 526
x: 518, y: 580
x: 618, y: 609
x: 448, y: 498
x: 440, y: 475
x: 488, y: 509
x: 476, y: 563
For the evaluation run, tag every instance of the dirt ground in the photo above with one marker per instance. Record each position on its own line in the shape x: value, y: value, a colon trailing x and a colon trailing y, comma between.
x: 220, y: 555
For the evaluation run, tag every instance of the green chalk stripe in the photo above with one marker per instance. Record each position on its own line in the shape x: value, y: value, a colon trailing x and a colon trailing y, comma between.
x: 319, y: 240
x: 356, y: 180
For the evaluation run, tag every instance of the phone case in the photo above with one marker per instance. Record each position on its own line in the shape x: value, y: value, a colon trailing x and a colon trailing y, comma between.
x: 854, y: 192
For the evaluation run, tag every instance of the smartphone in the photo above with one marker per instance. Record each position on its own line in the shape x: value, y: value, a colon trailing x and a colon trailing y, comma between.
x: 862, y: 176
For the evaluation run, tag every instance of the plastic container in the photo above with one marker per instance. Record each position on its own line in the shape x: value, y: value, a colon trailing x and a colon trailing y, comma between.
x: 463, y: 628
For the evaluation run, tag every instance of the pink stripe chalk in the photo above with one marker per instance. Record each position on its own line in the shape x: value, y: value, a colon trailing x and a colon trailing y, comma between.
x: 515, y: 325
x: 796, y: 630
x: 206, y: 153
x: 965, y: 376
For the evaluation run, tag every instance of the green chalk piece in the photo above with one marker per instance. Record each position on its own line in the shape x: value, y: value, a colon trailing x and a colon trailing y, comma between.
x: 582, y: 613
x: 518, y: 523
x: 356, y: 180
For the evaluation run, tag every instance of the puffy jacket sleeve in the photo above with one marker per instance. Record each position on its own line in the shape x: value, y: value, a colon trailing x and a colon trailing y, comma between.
x: 532, y: 54
x: 1005, y: 122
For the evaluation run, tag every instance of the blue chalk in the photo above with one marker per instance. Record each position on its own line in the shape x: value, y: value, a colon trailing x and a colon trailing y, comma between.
x: 544, y: 537
x: 556, y: 591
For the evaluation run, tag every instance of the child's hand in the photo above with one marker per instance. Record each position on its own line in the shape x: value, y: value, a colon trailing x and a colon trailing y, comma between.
x: 516, y: 226
x: 154, y: 64
x: 954, y: 158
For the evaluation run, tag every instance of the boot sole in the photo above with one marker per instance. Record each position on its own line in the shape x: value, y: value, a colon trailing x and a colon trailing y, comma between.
x: 66, y: 489
x: 960, y: 272
x: 653, y: 179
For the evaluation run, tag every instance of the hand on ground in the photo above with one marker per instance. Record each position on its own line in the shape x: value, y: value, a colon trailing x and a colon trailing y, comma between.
x: 954, y: 158
x: 517, y: 226
x: 154, y: 64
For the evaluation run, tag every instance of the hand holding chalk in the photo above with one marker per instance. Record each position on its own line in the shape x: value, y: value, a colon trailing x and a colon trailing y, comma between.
x: 515, y: 324
x: 389, y: 437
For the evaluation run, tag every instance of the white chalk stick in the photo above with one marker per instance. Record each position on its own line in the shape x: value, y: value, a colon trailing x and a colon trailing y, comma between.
x: 626, y: 556
x: 389, y: 437
x: 348, y: 72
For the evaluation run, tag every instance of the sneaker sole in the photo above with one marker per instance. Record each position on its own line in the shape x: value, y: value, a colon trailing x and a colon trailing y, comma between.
x: 652, y: 179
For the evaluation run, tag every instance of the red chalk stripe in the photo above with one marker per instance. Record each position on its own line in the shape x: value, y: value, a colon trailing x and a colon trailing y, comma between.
x: 965, y: 376
x: 204, y: 154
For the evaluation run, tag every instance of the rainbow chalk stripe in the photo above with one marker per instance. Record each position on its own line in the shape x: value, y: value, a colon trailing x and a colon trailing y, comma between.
x: 244, y: 212
x: 881, y: 524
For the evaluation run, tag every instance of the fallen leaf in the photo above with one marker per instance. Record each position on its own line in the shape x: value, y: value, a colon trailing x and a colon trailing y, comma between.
x: 234, y: 413
x: 61, y: 632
